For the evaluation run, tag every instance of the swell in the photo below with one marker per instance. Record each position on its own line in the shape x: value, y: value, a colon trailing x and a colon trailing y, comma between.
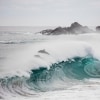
x: 76, y: 68
x: 59, y: 75
x: 15, y: 42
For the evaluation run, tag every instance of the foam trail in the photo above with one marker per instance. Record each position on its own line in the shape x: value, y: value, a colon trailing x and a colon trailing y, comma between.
x: 26, y: 59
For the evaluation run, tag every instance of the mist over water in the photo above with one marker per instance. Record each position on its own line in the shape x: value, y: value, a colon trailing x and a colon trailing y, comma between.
x: 39, y: 67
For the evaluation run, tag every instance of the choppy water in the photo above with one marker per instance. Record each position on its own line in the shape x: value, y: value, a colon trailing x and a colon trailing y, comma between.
x: 39, y: 67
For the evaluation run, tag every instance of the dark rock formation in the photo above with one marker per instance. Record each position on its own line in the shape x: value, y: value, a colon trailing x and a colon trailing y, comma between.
x: 46, y: 32
x: 98, y: 28
x: 75, y: 28
x: 43, y: 51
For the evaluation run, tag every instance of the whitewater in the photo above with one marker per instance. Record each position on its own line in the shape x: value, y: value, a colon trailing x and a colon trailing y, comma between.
x: 39, y: 67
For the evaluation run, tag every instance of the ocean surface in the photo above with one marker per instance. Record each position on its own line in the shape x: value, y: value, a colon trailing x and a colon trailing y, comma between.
x: 38, y: 67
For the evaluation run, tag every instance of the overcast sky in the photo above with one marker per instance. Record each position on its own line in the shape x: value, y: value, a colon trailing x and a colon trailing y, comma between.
x: 49, y: 12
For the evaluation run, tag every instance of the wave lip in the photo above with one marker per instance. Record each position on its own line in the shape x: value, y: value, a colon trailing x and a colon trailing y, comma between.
x: 64, y: 73
x: 78, y: 68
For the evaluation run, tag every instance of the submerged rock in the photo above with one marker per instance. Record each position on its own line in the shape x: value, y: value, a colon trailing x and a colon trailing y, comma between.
x: 75, y: 28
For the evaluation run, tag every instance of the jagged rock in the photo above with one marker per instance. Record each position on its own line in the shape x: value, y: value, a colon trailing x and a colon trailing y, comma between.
x: 43, y: 51
x: 58, y: 31
x: 46, y: 32
x: 75, y: 28
x: 98, y: 28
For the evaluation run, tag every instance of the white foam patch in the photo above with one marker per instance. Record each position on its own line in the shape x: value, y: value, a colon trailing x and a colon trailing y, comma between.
x: 80, y: 91
x: 59, y: 48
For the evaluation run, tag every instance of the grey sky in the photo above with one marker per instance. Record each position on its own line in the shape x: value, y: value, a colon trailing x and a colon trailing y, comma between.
x: 49, y: 12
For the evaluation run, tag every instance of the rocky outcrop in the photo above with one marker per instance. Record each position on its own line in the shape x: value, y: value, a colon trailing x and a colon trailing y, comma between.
x: 98, y: 28
x: 75, y: 28
x: 46, y: 32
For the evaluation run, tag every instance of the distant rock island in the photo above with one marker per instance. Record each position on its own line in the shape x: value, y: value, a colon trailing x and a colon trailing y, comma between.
x: 75, y: 28
x: 98, y: 28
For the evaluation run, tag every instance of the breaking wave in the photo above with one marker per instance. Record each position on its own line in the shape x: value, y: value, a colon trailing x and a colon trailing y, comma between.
x: 50, y: 66
x: 43, y: 79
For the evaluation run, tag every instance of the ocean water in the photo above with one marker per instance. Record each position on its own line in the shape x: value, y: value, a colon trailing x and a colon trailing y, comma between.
x: 37, y: 67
